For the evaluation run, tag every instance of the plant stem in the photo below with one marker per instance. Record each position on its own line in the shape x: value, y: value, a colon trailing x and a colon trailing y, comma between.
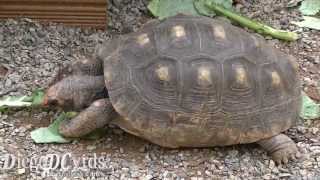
x: 251, y: 24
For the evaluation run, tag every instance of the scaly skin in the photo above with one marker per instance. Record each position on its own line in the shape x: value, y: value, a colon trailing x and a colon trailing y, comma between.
x: 75, y: 92
x: 97, y: 115
x: 83, y: 66
x: 281, y: 148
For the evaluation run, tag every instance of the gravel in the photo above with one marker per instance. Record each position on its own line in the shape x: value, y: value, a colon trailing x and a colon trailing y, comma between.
x: 32, y: 54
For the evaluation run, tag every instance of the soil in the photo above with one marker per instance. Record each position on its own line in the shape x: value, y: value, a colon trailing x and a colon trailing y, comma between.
x: 31, y: 54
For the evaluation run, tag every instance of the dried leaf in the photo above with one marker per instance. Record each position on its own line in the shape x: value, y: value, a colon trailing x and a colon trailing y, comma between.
x: 310, y: 7
x: 309, y: 22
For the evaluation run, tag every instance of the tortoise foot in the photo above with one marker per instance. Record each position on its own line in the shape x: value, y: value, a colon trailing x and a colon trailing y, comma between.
x: 281, y: 148
x: 95, y: 116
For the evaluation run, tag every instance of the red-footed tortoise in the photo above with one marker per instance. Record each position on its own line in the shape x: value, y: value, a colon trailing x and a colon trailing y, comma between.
x: 186, y: 82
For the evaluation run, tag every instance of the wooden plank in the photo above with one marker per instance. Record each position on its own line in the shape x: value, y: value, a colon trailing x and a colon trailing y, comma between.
x: 95, y: 18
x: 73, y: 23
x: 73, y: 12
x: 55, y: 1
x: 53, y: 8
x: 58, y: 13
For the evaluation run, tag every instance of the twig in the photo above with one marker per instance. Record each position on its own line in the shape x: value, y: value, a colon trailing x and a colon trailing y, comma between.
x: 251, y: 24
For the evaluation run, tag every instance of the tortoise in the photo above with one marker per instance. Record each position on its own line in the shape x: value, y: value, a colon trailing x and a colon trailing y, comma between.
x: 185, y: 81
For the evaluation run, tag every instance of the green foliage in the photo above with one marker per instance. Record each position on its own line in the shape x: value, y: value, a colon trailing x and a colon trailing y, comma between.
x: 35, y: 99
x: 167, y: 8
x: 309, y: 22
x: 310, y: 7
x: 51, y: 134
x: 201, y: 7
x: 14, y: 101
x: 309, y: 109
x: 251, y: 24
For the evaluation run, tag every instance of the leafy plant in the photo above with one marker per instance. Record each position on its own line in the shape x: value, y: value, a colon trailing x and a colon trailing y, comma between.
x: 51, y: 134
x: 309, y: 22
x: 22, y: 101
x: 166, y: 8
x: 310, y: 7
x: 309, y: 109
x: 254, y: 25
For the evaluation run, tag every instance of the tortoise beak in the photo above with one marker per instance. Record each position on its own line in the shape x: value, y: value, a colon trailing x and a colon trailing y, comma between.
x: 50, y: 98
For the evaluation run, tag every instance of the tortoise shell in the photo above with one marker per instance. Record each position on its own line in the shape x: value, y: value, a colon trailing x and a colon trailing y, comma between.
x: 194, y: 82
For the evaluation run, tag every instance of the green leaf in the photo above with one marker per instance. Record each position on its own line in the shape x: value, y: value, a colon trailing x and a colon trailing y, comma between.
x: 14, y: 101
x: 203, y: 10
x: 293, y: 3
x: 309, y: 109
x: 251, y: 24
x: 37, y: 97
x: 310, y: 7
x: 309, y: 22
x: 167, y: 8
x: 51, y: 134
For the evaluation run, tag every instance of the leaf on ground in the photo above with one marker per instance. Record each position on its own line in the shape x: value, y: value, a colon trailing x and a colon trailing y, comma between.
x: 14, y: 101
x: 309, y: 22
x: 167, y: 8
x: 203, y: 10
x: 51, y: 134
x: 310, y: 7
x: 22, y: 101
x: 309, y: 109
x: 293, y: 3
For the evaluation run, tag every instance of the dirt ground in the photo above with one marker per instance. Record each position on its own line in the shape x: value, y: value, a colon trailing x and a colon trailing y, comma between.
x: 34, y: 52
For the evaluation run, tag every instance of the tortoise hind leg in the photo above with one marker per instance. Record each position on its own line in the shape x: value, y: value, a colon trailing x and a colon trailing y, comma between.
x: 97, y: 115
x: 280, y: 147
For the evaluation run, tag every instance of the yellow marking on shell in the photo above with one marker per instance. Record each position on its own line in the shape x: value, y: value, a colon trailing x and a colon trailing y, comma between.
x: 241, y: 75
x: 178, y: 31
x: 97, y: 103
x: 256, y: 41
x: 275, y: 78
x: 119, y: 104
x: 204, y: 76
x: 108, y: 76
x: 293, y: 62
x: 163, y: 73
x: 218, y: 31
x: 143, y: 39
x: 85, y: 61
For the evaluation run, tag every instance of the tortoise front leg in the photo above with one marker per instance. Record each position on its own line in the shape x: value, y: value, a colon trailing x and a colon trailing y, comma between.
x: 281, y: 148
x: 97, y: 115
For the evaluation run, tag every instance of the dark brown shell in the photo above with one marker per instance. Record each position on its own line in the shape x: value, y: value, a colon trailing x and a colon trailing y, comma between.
x: 195, y: 81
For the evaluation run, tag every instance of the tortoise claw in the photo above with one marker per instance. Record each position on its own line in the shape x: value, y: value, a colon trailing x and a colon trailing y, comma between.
x: 283, y: 156
x: 281, y: 148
